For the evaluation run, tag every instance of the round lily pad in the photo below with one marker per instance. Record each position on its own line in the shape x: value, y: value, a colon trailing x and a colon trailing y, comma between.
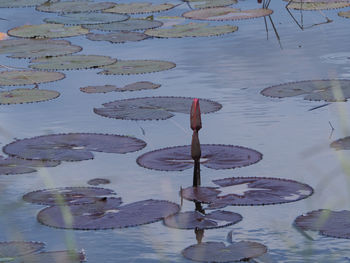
x: 195, y: 219
x: 129, y: 67
x: 68, y: 196
x: 226, y: 13
x: 34, y: 48
x: 191, y: 30
x: 12, y: 165
x: 47, y: 31
x: 317, y: 5
x: 341, y: 144
x: 141, y: 85
x: 54, y: 256
x: 86, y: 18
x: 118, y: 37
x: 152, y: 108
x: 28, y: 77
x: 76, y: 6
x: 138, y: 8
x: 214, y: 156
x: 19, y: 248
x: 107, y: 215
x: 19, y: 96
x: 326, y: 222
x: 315, y: 90
x: 248, y: 191
x: 72, y: 146
x: 211, y: 3
x: 345, y: 14
x: 98, y: 181
x: 72, y: 62
x: 20, y: 3
x: 220, y: 253
x: 129, y: 25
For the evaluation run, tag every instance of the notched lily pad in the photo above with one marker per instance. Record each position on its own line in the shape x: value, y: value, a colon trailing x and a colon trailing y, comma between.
x: 326, y: 222
x: 86, y: 18
x: 214, y: 156
x: 138, y: 8
x: 54, y: 256
x: 19, y: 96
x: 12, y: 165
x: 195, y: 219
x: 98, y: 181
x: 76, y: 6
x: 220, y: 253
x: 68, y: 196
x: 72, y: 146
x: 327, y: 90
x: 20, y: 3
x: 248, y: 191
x: 141, y: 85
x: 129, y: 25
x: 19, y: 248
x: 317, y: 5
x: 118, y: 37
x: 152, y: 108
x: 211, y: 3
x: 191, y: 30
x: 226, y: 13
x: 28, y: 77
x: 107, y: 215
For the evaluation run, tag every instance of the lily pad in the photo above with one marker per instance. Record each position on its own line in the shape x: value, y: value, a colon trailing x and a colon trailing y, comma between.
x: 108, y: 215
x: 152, y: 108
x: 214, y: 156
x: 327, y: 90
x: 211, y: 3
x: 19, y: 96
x: 220, y: 253
x: 248, y: 191
x: 72, y: 62
x: 317, y: 5
x: 34, y: 48
x: 226, y: 13
x: 191, y: 30
x: 47, y: 31
x: 326, y: 222
x: 345, y: 14
x: 76, y: 6
x: 98, y: 181
x: 129, y: 25
x: 68, y: 196
x: 138, y: 8
x: 20, y: 3
x: 54, y: 256
x: 141, y: 85
x: 72, y: 146
x: 118, y: 37
x: 86, y: 18
x: 341, y: 144
x: 12, y: 165
x: 28, y: 77
x: 129, y: 67
x: 195, y: 219
x: 19, y: 248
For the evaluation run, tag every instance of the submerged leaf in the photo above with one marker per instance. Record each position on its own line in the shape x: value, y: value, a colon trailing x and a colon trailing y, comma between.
x: 19, y: 248
x: 98, y: 181
x: 128, y: 25
x: 138, y: 8
x: 20, y: 3
x: 118, y: 37
x: 76, y: 6
x: 12, y: 165
x: 28, y: 77
x: 141, y: 85
x: 86, y: 18
x: 317, y: 5
x: 17, y: 96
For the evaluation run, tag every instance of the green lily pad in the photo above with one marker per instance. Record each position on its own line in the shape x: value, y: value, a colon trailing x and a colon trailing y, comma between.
x: 138, y: 8
x: 28, y: 77
x: 72, y: 62
x: 86, y: 18
x: 191, y: 30
x: 128, y: 25
x: 76, y: 6
x: 20, y: 3
x: 141, y: 85
x: 211, y: 3
x: 19, y: 248
x: 118, y: 37
x: 129, y: 67
x: 47, y: 31
x: 318, y: 5
x: 35, y: 48
x: 98, y: 181
x: 344, y: 14
x: 226, y: 13
x: 18, y: 96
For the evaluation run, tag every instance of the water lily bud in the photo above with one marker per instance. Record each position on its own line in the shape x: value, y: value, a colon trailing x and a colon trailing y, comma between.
x: 196, y: 121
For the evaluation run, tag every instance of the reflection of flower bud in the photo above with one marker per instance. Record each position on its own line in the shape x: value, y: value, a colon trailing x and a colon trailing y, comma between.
x: 195, y: 147
x: 196, y: 122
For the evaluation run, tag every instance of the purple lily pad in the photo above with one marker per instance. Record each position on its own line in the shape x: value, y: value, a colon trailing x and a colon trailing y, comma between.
x: 195, y: 219
x: 327, y: 222
x: 67, y: 195
x: 19, y: 248
x: 248, y: 191
x: 107, y: 214
x: 214, y: 156
x: 71, y: 146
x: 52, y: 256
x: 218, y: 252
x: 98, y: 181
x: 12, y: 165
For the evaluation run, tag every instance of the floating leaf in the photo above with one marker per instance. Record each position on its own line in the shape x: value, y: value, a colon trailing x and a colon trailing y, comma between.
x: 211, y: 3
x: 152, y: 108
x: 17, y: 96
x: 99, y: 89
x: 128, y: 25
x: 214, y: 156
x: 76, y: 6
x: 195, y: 219
x: 54, y: 256
x: 128, y: 67
x: 28, y: 77
x: 315, y: 90
x: 107, y: 215
x: 86, y: 18
x: 341, y: 144
x: 72, y: 146
x: 118, y: 37
x: 34, y: 48
x: 218, y: 252
x: 20, y: 3
x: 345, y: 14
x: 68, y: 196
x: 19, y: 248
x: 191, y: 30
x: 226, y: 13
x: 12, y: 165
x: 138, y: 8
x: 317, y: 5
x: 47, y: 31
x: 141, y: 85
x: 98, y: 181
x: 327, y: 222
x: 248, y: 191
